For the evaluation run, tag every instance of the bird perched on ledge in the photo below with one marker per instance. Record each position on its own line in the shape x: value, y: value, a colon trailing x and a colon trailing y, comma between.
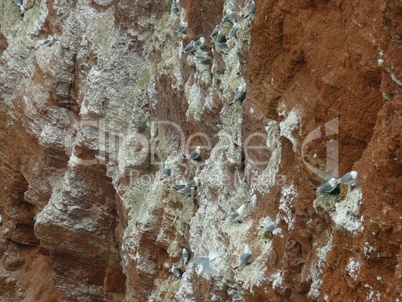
x: 176, y: 272
x: 185, y: 256
x: 238, y: 214
x: 349, y: 179
x: 182, y: 29
x: 195, y: 155
x: 166, y: 172
x: 179, y: 185
x: 240, y: 94
x: 193, y: 182
x: 328, y: 187
x: 251, y: 9
x: 269, y: 229
x: 246, y: 257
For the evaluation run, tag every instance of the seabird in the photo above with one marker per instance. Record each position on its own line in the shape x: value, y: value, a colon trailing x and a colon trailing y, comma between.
x: 166, y: 172
x: 182, y: 28
x: 174, y: 8
x: 251, y: 9
x: 215, y: 31
x: 220, y: 37
x: 186, y: 191
x: 252, y: 199
x: 202, y: 56
x: 190, y: 47
x: 237, y: 297
x: 21, y: 9
x: 222, y: 47
x: 230, y: 16
x: 195, y: 154
x: 18, y: 2
x: 240, y: 94
x: 176, y: 272
x: 238, y: 214
x: 179, y: 185
x: 192, y: 183
x: 349, y: 178
x: 185, y: 256
x: 234, y: 30
x: 245, y: 257
x: 269, y: 229
x: 205, y: 265
x: 1, y: 219
x: 328, y: 187
x: 200, y: 42
x: 48, y: 41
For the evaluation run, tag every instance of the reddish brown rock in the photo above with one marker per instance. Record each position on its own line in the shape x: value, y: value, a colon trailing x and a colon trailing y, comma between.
x: 85, y: 216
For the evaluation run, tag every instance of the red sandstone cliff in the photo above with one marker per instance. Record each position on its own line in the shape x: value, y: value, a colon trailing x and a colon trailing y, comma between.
x: 88, y: 119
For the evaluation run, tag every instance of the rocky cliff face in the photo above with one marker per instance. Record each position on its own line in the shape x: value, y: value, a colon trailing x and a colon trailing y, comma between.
x: 97, y: 96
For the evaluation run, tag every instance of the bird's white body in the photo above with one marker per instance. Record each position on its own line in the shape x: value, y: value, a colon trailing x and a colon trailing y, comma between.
x: 269, y: 228
x: 185, y: 256
x: 215, y: 31
x: 205, y: 265
x: 166, y: 172
x: 230, y: 16
x: 176, y: 272
x: 195, y: 154
x: 349, y: 178
x: 245, y: 257
x: 234, y: 30
x: 199, y: 43
x: 21, y: 9
x: 238, y: 214
x: 329, y: 186
x: 193, y: 183
x: 240, y: 93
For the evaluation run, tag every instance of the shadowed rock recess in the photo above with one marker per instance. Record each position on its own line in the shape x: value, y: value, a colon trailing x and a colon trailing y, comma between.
x: 98, y: 97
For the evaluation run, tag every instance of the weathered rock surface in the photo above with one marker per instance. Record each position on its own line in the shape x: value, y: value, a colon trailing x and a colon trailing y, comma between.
x: 95, y: 97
